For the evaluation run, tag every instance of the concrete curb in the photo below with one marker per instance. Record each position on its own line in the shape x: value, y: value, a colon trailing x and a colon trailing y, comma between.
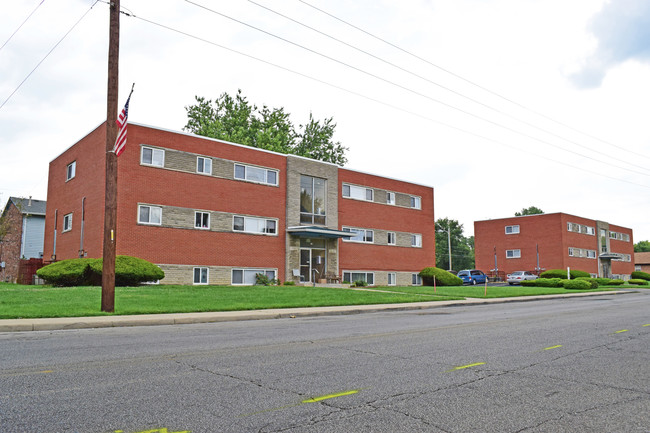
x: 61, y: 323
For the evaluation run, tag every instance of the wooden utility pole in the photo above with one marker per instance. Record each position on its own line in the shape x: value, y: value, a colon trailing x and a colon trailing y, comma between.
x: 110, y: 199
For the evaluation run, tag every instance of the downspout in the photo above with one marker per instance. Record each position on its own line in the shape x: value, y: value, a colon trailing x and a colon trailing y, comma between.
x: 83, y: 218
x: 56, y: 218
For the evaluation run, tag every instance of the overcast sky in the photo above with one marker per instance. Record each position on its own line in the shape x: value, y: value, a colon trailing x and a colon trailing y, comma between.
x: 497, y: 104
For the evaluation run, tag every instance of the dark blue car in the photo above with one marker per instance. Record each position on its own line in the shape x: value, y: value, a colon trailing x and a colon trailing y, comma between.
x: 472, y: 276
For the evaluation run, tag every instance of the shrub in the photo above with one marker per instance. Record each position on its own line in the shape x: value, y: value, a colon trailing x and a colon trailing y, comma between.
x: 545, y: 282
x: 577, y: 285
x: 129, y: 271
x: 528, y: 283
x: 359, y: 283
x: 73, y: 272
x: 638, y: 282
x: 592, y: 281
x: 561, y: 273
x: 443, y: 278
x: 603, y: 281
x: 638, y: 275
x: 616, y: 283
x: 289, y: 283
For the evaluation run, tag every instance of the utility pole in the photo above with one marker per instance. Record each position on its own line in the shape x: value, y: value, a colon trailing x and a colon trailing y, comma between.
x: 449, y: 242
x: 110, y: 198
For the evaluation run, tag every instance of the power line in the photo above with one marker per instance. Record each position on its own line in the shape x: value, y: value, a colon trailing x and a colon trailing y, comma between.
x: 23, y: 23
x: 485, y: 89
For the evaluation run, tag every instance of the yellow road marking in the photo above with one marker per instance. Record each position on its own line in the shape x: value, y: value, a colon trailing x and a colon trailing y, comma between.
x: 553, y: 347
x: 46, y: 371
x: 647, y: 324
x: 622, y: 330
x: 466, y: 366
x: 325, y: 397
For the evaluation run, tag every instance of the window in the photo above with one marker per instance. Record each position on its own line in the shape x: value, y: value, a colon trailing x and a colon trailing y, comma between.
x: 361, y: 235
x: 71, y: 171
x: 150, y: 215
x: 625, y: 237
x: 201, y: 275
x: 248, y: 276
x: 612, y: 235
x: 571, y: 252
x: 392, y: 280
x: 367, y: 277
x: 512, y: 230
x: 313, y: 202
x: 590, y: 230
x: 513, y: 254
x: 67, y: 222
x: 603, y: 240
x: 637, y: 267
x: 415, y: 202
x: 416, y: 280
x: 254, y: 225
x: 390, y: 198
x: 416, y: 240
x: 201, y: 220
x: 391, y: 238
x: 203, y: 165
x: 591, y: 254
x: 155, y: 157
x: 358, y: 192
x: 256, y: 174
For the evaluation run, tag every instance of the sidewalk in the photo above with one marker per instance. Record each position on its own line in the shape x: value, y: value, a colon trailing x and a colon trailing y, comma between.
x: 17, y: 325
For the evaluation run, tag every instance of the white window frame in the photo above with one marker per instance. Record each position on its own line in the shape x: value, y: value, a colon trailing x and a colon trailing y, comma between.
x: 416, y: 202
x: 591, y: 254
x: 202, y: 213
x: 416, y: 240
x: 356, y: 192
x: 571, y: 252
x: 248, y: 221
x: 67, y: 223
x: 365, y: 278
x: 390, y: 198
x: 157, y: 157
x: 590, y: 231
x: 201, y: 275
x: 391, y: 236
x: 157, y: 209
x: 248, y: 177
x: 244, y: 271
x: 514, y: 229
x: 416, y: 280
x: 392, y: 276
x: 207, y: 165
x: 613, y: 235
x: 71, y: 171
x: 514, y: 254
x: 366, y: 234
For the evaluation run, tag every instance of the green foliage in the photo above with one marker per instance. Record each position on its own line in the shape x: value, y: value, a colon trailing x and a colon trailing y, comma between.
x: 236, y: 120
x: 263, y: 280
x: 533, y: 210
x: 129, y: 271
x: 462, y: 248
x: 561, y: 273
x: 640, y: 275
x: 544, y: 282
x: 592, y: 281
x: 603, y: 281
x: 578, y: 284
x: 642, y: 247
x: 289, y: 283
x: 359, y: 283
x: 443, y: 278
x: 616, y: 283
x: 638, y: 282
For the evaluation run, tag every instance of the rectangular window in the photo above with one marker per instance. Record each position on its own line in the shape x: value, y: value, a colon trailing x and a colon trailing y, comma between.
x: 591, y: 254
x: 513, y: 254
x: 392, y: 280
x: 625, y: 237
x: 390, y: 198
x: 416, y: 241
x: 416, y: 280
x: 313, y: 191
x: 571, y: 252
x: 512, y: 230
x: 590, y: 230
x: 201, y: 275
x: 248, y: 277
x: 358, y: 192
x: 67, y: 222
x: 150, y: 156
x: 391, y: 238
x: 202, y: 220
x: 150, y: 215
x: 71, y: 171
x: 352, y: 276
x: 256, y: 174
x: 254, y: 225
x: 361, y: 235
x: 203, y: 165
x: 612, y: 235
x: 416, y: 203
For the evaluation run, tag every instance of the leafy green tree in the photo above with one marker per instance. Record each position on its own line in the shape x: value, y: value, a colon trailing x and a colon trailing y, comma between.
x: 235, y: 119
x: 533, y: 210
x: 462, y: 248
x: 642, y: 247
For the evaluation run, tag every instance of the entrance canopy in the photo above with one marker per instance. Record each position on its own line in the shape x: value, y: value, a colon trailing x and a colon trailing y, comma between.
x: 318, y: 232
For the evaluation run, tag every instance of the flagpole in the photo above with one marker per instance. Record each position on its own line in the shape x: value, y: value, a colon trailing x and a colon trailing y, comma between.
x: 110, y: 197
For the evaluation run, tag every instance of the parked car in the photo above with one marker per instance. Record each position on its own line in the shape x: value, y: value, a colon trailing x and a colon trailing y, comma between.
x: 519, y: 276
x: 472, y: 276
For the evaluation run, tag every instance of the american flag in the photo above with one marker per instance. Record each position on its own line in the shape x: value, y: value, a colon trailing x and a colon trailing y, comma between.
x: 120, y: 143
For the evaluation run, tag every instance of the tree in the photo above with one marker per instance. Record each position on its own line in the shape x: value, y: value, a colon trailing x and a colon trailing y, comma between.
x: 533, y: 210
x: 642, y: 247
x: 462, y: 248
x: 236, y: 120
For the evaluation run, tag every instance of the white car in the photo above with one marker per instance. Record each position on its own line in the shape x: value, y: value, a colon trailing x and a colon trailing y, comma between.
x: 519, y: 276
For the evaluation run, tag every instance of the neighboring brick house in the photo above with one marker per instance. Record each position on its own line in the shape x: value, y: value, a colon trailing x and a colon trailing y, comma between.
x: 554, y: 241
x: 642, y: 262
x: 211, y: 212
x: 22, y: 226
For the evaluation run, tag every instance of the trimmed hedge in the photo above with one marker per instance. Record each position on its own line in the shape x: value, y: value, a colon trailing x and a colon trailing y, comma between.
x: 638, y: 282
x: 616, y: 283
x: 443, y: 278
x: 561, y: 273
x: 576, y: 284
x: 543, y: 282
x: 638, y: 275
x: 129, y: 271
x: 592, y: 281
x: 603, y: 281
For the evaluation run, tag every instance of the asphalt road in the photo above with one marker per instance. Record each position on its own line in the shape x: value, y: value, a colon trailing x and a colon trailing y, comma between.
x: 578, y: 364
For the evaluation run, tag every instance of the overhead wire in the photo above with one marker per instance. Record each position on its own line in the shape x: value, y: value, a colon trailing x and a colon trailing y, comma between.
x: 22, y: 24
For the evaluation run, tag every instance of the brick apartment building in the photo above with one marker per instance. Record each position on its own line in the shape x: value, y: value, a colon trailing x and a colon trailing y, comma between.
x: 554, y: 241
x: 642, y: 262
x: 212, y: 212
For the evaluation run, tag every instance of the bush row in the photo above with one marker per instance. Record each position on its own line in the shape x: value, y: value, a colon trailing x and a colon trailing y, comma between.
x: 584, y: 283
x: 443, y: 278
x: 638, y: 275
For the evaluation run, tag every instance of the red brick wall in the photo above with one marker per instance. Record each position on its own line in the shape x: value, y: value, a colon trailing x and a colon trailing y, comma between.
x: 621, y: 247
x: 357, y: 213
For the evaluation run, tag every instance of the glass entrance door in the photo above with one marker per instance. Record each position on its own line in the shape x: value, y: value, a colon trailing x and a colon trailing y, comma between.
x: 312, y: 264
